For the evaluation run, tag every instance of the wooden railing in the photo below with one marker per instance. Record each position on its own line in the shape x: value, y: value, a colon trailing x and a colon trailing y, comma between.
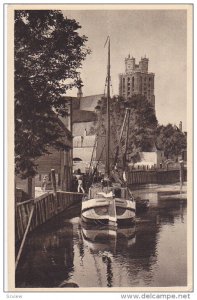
x: 41, y: 209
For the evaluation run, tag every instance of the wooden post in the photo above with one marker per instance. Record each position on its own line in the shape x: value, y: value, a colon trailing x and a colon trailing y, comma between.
x: 29, y: 187
x: 181, y: 174
x: 53, y: 178
x: 53, y: 182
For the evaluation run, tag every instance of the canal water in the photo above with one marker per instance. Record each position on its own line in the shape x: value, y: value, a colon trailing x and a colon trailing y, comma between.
x: 153, y: 253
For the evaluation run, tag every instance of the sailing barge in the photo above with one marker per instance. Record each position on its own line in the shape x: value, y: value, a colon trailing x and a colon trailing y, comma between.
x: 109, y: 202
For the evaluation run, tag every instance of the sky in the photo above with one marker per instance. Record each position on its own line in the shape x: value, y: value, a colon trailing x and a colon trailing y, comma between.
x: 161, y: 35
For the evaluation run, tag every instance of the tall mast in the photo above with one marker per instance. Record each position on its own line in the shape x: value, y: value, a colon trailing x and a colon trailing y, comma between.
x: 128, y: 111
x: 108, y: 114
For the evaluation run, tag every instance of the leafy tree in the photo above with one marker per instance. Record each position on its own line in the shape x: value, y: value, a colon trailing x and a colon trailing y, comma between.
x: 48, y: 53
x: 144, y: 131
x: 142, y: 124
x: 171, y: 140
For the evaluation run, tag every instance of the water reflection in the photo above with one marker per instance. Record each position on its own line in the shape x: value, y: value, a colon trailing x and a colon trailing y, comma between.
x: 67, y: 253
x: 105, y: 239
x: 48, y: 258
x: 105, y: 243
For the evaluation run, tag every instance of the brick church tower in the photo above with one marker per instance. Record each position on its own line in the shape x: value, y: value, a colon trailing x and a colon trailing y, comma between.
x: 137, y: 80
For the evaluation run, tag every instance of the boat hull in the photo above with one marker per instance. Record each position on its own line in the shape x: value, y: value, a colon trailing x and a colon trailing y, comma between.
x: 113, y: 211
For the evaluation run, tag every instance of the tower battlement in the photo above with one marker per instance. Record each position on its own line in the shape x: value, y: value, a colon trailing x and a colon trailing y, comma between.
x: 131, y: 66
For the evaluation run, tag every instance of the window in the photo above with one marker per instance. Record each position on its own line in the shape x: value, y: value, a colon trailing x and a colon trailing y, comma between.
x: 140, y: 84
x: 133, y: 82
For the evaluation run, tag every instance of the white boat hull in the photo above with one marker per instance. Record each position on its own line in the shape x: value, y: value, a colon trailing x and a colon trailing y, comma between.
x: 112, y: 211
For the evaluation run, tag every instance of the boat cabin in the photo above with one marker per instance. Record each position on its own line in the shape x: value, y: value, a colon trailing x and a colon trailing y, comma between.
x: 97, y: 191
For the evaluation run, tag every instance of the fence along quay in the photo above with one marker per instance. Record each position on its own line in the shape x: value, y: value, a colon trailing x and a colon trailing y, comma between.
x: 155, y: 176
x: 34, y: 212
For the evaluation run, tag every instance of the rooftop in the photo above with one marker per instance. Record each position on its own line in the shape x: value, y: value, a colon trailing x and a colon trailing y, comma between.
x: 83, y: 116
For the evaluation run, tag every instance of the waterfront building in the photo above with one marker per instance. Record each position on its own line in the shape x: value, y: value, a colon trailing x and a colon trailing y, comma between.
x: 59, y: 160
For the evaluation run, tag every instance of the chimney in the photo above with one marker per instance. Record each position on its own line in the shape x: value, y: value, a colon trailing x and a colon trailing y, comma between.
x: 180, y: 126
x: 79, y: 85
x: 85, y: 132
x: 79, y: 93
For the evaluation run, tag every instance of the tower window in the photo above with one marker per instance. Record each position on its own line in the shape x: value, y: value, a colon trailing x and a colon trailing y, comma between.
x: 133, y: 82
x: 140, y: 83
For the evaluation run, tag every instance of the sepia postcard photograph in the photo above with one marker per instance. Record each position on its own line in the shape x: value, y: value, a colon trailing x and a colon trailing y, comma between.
x: 99, y: 117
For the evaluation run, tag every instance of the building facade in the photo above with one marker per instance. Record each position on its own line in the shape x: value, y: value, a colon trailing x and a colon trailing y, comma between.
x: 137, y: 80
x: 59, y: 160
x: 84, y: 120
x: 83, y: 147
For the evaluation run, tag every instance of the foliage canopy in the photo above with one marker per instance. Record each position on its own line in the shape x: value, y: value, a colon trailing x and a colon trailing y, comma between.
x: 171, y: 140
x: 141, y: 128
x: 48, y: 54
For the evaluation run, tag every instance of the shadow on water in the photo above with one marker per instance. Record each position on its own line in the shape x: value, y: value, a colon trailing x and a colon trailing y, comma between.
x: 66, y: 253
x: 48, y: 255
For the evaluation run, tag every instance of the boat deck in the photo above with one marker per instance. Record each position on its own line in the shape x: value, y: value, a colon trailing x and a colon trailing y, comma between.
x: 97, y: 190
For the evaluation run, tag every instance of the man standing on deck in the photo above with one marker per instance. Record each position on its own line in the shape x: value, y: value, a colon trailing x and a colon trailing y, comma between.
x: 80, y: 181
x: 44, y: 182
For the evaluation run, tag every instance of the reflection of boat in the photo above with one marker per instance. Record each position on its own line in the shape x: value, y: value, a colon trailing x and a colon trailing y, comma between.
x: 102, y: 243
x: 110, y: 202
x: 106, y: 238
